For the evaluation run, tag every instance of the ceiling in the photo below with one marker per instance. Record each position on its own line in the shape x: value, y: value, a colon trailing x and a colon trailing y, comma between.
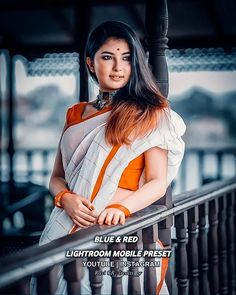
x: 34, y: 27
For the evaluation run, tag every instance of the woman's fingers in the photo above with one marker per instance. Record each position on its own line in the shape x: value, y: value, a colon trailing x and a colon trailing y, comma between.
x: 109, y: 217
x: 82, y: 221
x: 87, y: 217
x: 118, y: 217
x: 82, y: 205
x: 85, y: 209
x: 78, y: 223
x: 88, y: 204
x: 75, y: 204
x: 102, y: 217
x: 115, y: 219
x: 122, y: 218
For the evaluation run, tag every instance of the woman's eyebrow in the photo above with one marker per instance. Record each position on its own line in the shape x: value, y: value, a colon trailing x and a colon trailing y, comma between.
x: 108, y: 52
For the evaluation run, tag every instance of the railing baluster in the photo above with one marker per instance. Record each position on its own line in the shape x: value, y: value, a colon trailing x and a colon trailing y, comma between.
x: 219, y: 164
x: 201, y: 166
x: 223, y: 246
x: 203, y: 250
x: 116, y: 275
x: 73, y: 274
x: 193, y: 251
x: 213, y: 240
x: 134, y: 286
x: 164, y: 232
x: 213, y: 247
x: 181, y: 254
x: 29, y: 154
x: 150, y: 236
x: 94, y: 277
x: 24, y: 286
x: 183, y: 174
x: 230, y: 222
x: 45, y: 166
x: 47, y: 282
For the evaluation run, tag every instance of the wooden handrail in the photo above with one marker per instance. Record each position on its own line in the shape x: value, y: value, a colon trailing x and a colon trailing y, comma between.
x: 36, y: 259
x: 29, y: 199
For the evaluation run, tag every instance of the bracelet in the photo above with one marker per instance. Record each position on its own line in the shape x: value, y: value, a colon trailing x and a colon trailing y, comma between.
x: 57, y: 198
x: 121, y: 208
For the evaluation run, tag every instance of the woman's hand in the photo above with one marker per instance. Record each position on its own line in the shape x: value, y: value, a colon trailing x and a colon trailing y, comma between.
x: 80, y: 210
x: 111, y: 216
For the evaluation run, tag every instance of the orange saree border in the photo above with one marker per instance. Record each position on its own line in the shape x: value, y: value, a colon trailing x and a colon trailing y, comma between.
x: 100, y: 178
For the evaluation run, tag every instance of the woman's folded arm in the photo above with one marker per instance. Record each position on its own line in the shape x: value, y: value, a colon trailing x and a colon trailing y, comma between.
x: 154, y: 188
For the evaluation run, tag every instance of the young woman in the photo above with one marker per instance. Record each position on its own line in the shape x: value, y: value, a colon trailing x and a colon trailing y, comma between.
x: 118, y: 153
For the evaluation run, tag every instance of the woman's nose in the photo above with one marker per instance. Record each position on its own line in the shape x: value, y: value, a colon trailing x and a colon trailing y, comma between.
x: 117, y: 66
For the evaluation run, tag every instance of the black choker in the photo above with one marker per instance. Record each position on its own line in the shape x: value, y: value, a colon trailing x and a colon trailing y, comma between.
x: 103, y: 98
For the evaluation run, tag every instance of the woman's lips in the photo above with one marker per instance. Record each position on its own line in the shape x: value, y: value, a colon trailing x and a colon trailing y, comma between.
x: 116, y: 77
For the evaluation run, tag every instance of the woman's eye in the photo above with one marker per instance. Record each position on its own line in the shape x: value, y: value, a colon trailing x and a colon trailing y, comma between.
x: 127, y: 58
x: 106, y: 57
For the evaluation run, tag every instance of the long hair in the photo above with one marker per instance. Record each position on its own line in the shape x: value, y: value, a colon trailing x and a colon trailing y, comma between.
x: 135, y: 107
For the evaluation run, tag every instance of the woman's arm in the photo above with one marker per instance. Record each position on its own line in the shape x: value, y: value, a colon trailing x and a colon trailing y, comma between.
x: 80, y: 210
x: 57, y: 181
x: 154, y: 188
x: 156, y: 181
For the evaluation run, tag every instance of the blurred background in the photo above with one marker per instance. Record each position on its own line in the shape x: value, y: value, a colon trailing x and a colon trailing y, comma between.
x: 42, y: 74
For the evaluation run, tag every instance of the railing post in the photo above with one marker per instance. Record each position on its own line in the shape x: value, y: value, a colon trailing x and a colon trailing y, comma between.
x: 95, y: 275
x: 201, y: 166
x: 193, y: 251
x: 30, y: 170
x: 183, y: 174
x: 45, y: 157
x: 11, y: 101
x: 203, y: 250
x: 47, y: 282
x: 150, y: 236
x: 223, y: 246
x: 181, y: 253
x: 230, y: 225
x: 95, y: 278
x: 219, y: 164
x: 82, y: 26
x: 213, y: 247
x: 116, y: 274
x: 156, y: 21
x: 134, y: 286
x: 73, y: 274
x: 24, y: 286
x: 164, y: 233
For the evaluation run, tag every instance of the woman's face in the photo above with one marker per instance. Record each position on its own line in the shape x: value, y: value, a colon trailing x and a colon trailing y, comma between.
x: 112, y: 64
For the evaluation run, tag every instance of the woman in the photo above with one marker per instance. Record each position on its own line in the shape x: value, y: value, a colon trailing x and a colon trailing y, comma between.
x: 118, y: 153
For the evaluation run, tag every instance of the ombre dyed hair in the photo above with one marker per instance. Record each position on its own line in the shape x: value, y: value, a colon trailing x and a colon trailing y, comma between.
x: 135, y: 107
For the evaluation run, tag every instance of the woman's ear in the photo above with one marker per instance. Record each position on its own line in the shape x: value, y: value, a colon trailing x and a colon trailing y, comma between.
x: 90, y: 64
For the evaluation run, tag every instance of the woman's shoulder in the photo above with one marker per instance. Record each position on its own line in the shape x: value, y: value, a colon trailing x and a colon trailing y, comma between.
x: 74, y: 111
x: 171, y: 120
x: 77, y: 106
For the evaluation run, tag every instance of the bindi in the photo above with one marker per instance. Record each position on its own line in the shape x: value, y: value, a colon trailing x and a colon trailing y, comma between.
x: 118, y: 49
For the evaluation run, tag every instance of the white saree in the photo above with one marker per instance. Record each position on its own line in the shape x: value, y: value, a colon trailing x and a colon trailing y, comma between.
x: 84, y: 152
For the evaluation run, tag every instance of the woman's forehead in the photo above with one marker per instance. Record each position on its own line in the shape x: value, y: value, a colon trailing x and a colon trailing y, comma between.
x: 115, y: 45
